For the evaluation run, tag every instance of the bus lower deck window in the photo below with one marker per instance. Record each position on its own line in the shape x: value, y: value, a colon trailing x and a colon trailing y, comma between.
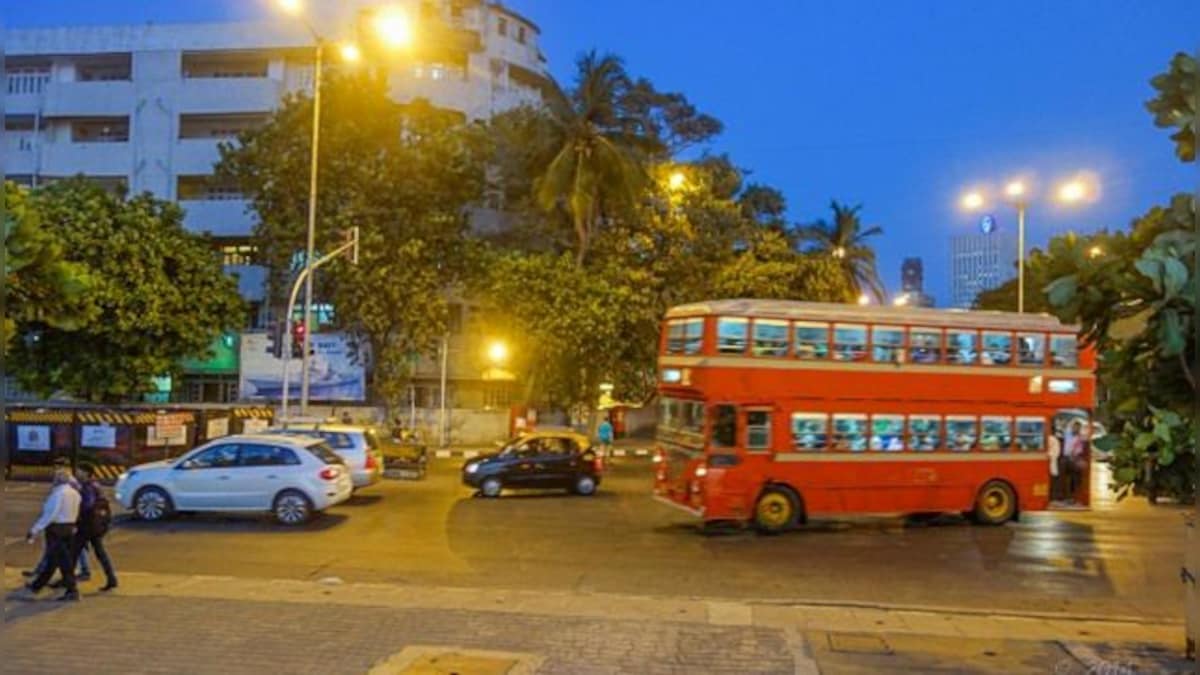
x: 997, y: 433
x: 758, y: 430
x: 850, y: 432
x: 809, y: 431
x: 924, y: 432
x: 1031, y: 434
x: 961, y: 433
x: 887, y: 433
x: 724, y: 426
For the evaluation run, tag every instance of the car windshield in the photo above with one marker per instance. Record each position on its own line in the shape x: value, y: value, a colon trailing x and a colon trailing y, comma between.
x: 372, y: 439
x: 325, y: 453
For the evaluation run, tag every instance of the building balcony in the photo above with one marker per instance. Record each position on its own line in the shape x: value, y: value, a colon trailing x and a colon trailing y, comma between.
x: 20, y: 153
x: 218, y: 217
x: 89, y: 99
x: 229, y: 95
x: 92, y: 159
x: 196, y: 156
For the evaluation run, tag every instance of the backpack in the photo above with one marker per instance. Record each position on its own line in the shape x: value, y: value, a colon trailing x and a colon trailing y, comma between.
x: 101, y: 516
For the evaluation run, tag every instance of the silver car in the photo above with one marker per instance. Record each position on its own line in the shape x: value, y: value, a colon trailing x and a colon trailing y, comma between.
x: 357, y: 445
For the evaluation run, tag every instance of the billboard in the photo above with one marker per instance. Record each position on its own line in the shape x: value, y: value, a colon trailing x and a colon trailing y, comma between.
x: 336, y: 374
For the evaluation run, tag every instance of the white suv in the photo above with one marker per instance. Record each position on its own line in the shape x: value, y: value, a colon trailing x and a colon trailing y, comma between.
x: 290, y: 477
x: 358, y: 445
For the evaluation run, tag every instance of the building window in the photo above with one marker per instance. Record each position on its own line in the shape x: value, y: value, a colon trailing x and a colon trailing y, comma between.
x: 217, y: 126
x: 238, y: 254
x: 109, y: 130
x: 104, y: 69
x: 205, y: 188
x: 27, y: 79
x: 731, y: 335
x: 502, y: 26
x: 454, y: 318
x: 521, y: 34
x: 203, y: 65
x: 497, y: 396
x: 770, y: 338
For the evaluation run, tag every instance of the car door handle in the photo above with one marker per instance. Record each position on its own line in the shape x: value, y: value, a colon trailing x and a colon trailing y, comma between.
x: 272, y: 477
x: 222, y: 477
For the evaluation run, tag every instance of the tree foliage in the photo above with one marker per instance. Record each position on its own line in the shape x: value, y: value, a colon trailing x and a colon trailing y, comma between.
x: 155, y: 294
x: 1174, y: 106
x: 847, y: 241
x: 405, y: 175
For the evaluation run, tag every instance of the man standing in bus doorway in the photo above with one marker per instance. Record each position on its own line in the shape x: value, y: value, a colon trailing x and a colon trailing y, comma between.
x: 1054, y: 450
x: 1071, y: 460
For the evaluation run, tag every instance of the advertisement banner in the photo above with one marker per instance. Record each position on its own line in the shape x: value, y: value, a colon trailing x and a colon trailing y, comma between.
x: 217, y: 428
x: 33, y: 437
x: 335, y: 373
x: 102, y: 436
x: 254, y: 425
x: 170, y: 435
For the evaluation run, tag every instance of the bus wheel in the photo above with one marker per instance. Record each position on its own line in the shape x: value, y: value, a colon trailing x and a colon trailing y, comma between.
x: 996, y: 504
x: 776, y: 511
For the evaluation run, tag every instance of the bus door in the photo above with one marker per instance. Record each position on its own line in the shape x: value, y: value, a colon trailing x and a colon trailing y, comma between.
x: 1075, y: 430
x: 726, y: 488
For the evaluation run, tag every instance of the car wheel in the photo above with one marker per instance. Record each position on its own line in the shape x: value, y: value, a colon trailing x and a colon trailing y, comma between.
x: 491, y: 487
x: 152, y: 504
x: 292, y: 508
x: 585, y: 485
x: 996, y: 504
x: 776, y: 511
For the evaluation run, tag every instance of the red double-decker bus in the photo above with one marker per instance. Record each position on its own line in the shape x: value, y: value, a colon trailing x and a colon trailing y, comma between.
x: 771, y: 411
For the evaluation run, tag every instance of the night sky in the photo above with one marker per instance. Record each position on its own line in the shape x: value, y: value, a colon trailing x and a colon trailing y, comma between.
x: 898, y: 105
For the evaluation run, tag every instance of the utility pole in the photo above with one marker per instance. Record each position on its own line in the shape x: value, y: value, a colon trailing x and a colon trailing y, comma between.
x: 442, y: 417
x: 305, y: 366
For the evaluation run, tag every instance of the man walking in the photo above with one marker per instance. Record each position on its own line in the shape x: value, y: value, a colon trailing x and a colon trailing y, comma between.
x: 604, y: 434
x: 95, y: 517
x: 85, y: 571
x: 59, y: 515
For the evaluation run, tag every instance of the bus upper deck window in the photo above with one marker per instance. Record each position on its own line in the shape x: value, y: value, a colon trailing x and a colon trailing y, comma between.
x: 684, y: 336
x: 731, y: 335
x: 849, y: 342
x: 1064, y: 351
x: 1032, y: 349
x: 812, y: 340
x: 724, y: 426
x: 770, y: 338
x: 997, y: 348
x: 961, y: 347
x: 925, y: 345
x: 887, y: 343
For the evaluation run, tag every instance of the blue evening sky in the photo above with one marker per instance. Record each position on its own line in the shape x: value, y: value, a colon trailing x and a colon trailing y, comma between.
x: 895, y: 104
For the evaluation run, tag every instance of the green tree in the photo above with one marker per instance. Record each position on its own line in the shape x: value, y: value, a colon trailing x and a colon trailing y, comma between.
x: 847, y: 240
x: 43, y: 288
x: 405, y: 175
x: 1174, y: 106
x: 156, y: 294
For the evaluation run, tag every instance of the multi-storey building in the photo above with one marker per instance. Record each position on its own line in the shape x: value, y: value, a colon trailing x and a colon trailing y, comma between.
x: 979, y: 262
x: 912, y: 283
x: 144, y: 108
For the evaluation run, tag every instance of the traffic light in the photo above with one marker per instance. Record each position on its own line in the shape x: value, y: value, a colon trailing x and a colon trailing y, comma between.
x: 275, y: 339
x: 298, y: 329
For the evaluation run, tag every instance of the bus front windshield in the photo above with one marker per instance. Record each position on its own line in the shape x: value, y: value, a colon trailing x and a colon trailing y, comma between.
x: 680, y: 416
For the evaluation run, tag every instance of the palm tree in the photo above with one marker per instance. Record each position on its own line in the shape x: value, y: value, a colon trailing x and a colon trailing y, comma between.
x: 600, y: 149
x: 846, y: 240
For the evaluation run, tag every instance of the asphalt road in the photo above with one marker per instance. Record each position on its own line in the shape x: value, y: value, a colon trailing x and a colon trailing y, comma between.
x: 1119, y: 560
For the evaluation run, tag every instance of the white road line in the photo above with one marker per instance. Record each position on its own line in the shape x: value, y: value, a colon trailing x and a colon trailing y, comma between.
x: 9, y: 541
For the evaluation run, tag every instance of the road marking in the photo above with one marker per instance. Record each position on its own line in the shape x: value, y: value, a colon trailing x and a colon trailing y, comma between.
x: 729, y: 614
x: 802, y: 659
x: 9, y: 541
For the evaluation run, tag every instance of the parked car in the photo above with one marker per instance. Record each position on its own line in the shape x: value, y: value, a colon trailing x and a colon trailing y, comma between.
x: 539, y: 459
x: 356, y: 444
x: 290, y: 477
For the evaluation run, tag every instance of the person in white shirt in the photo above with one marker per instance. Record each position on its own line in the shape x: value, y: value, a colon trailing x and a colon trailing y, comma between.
x: 59, y: 516
x: 1054, y: 450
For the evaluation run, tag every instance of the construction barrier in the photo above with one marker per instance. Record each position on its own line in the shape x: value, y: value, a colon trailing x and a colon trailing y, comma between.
x: 114, y: 439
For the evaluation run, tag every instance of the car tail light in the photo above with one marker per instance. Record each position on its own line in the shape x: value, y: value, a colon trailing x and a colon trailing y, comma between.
x: 330, y: 473
x: 598, y: 464
x: 371, y: 461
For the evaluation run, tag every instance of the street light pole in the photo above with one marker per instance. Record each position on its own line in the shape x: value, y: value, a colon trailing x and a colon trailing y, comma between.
x: 312, y: 227
x: 1020, y: 257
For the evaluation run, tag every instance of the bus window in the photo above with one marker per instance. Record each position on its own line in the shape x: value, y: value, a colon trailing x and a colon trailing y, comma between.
x: 924, y: 432
x: 887, y: 343
x: 1064, y: 351
x: 809, y: 431
x: 887, y: 432
x: 812, y: 341
x: 997, y: 349
x: 1032, y: 349
x: 1031, y: 434
x: 997, y: 433
x: 925, y: 345
x: 770, y: 338
x: 724, y: 426
x: 849, y: 342
x: 850, y: 432
x: 731, y: 335
x: 960, y: 347
x: 758, y: 430
x: 961, y: 432
x: 684, y: 335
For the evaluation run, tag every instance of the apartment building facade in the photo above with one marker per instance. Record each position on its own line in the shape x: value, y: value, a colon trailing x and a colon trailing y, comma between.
x: 979, y: 262
x: 144, y: 108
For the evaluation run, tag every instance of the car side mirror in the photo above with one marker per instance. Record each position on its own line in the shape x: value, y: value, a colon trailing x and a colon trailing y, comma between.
x: 185, y: 465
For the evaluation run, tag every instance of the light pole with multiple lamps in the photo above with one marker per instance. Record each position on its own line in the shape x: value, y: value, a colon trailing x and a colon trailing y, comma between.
x: 1017, y: 193
x: 393, y: 29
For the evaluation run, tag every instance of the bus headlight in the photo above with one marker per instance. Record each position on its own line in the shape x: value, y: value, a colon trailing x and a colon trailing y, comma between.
x: 701, y: 471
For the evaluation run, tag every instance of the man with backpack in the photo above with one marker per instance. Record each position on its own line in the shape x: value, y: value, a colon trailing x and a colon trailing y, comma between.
x: 95, y: 518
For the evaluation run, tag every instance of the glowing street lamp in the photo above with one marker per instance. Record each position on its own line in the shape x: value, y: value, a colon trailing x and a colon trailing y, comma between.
x: 1072, y: 192
x: 350, y: 52
x: 1095, y: 252
x: 392, y: 27
x: 676, y: 181
x: 497, y: 352
x: 973, y: 201
x: 838, y: 252
x: 901, y: 300
x: 292, y: 7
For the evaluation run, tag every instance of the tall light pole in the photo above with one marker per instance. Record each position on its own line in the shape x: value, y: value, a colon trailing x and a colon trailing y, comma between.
x: 1017, y: 193
x: 393, y: 29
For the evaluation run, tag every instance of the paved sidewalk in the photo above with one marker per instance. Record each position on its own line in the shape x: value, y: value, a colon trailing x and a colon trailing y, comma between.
x: 204, y: 624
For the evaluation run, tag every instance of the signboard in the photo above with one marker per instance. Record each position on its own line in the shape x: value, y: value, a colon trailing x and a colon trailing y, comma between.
x: 337, y: 375
x: 168, y: 429
x: 98, y: 436
x: 987, y: 224
x: 35, y: 438
x: 217, y: 428
x: 254, y: 425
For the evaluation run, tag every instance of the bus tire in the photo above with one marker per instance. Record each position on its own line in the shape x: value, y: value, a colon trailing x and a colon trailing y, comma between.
x: 776, y: 510
x: 996, y: 503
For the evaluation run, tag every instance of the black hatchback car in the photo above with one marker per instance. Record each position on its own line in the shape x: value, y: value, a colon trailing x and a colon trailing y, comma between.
x: 539, y: 460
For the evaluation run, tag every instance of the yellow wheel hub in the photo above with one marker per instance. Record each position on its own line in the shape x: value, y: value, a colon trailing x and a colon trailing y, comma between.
x: 995, y: 503
x: 774, y: 510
